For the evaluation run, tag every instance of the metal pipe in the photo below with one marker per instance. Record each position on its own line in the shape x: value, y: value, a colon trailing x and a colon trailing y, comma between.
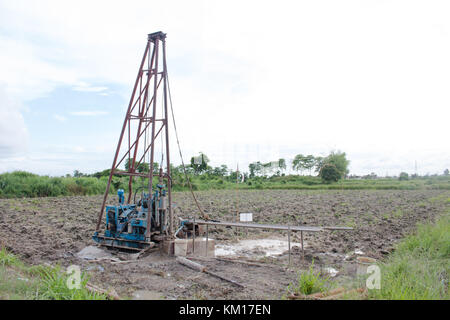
x: 178, y: 230
x: 169, y: 181
x: 260, y: 226
x: 152, y: 138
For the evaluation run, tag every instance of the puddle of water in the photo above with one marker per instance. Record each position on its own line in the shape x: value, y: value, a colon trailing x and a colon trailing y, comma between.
x: 259, y: 247
x: 92, y: 253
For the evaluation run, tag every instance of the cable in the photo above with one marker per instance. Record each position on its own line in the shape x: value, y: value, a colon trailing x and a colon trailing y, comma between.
x: 205, y: 216
x: 161, y: 166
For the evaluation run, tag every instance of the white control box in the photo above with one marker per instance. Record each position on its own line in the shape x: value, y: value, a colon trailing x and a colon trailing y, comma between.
x: 246, y: 217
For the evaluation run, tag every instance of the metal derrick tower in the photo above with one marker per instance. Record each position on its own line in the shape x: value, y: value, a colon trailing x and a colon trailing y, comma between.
x: 145, y: 123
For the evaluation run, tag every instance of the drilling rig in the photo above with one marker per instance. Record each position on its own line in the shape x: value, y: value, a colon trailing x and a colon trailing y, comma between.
x: 142, y: 217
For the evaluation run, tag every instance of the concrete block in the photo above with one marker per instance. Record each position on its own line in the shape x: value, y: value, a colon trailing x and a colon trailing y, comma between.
x: 180, y: 247
x: 184, y: 247
x: 199, y: 247
x: 168, y: 247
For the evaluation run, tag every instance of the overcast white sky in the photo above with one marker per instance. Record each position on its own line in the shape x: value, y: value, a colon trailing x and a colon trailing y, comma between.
x: 251, y: 80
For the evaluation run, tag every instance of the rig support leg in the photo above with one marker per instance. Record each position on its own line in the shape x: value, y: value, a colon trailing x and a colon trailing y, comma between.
x: 289, y: 243
x: 206, y: 253
x: 303, y: 249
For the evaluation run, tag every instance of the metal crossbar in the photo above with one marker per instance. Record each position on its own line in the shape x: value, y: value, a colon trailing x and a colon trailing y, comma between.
x: 301, y: 229
x: 269, y: 226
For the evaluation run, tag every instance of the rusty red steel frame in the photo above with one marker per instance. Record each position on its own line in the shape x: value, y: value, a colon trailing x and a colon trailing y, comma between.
x: 140, y: 124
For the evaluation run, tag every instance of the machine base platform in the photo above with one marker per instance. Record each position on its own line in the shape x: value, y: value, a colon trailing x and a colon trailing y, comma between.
x: 124, y: 244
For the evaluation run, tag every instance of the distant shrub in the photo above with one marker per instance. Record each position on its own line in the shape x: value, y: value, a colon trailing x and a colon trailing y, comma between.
x: 330, y: 173
x: 403, y: 176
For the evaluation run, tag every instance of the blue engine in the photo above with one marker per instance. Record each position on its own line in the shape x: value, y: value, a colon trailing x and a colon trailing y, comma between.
x: 126, y: 224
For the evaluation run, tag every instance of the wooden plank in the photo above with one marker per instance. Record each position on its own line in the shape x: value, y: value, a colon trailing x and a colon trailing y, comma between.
x: 112, y: 294
x: 201, y: 268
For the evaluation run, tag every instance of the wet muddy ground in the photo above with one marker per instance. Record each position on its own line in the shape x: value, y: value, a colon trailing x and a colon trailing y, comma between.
x: 54, y: 230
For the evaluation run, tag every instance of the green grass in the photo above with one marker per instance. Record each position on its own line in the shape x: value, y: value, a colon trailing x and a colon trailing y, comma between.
x: 8, y: 259
x: 419, y: 268
x: 21, y: 282
x: 25, y: 184
x: 309, y: 282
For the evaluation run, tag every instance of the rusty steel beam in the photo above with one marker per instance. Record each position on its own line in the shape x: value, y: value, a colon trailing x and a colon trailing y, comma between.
x: 166, y: 116
x: 152, y: 137
x: 137, y: 174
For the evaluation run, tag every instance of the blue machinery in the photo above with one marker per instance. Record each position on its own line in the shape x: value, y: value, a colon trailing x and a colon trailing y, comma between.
x: 126, y: 224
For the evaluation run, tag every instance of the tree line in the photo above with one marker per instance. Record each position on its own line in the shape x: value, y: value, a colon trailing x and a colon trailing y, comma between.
x: 331, y: 168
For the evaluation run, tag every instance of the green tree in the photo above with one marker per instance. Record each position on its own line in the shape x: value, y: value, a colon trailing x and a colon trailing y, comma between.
x: 268, y: 167
x: 77, y: 174
x: 446, y: 172
x: 220, y: 171
x: 309, y: 162
x: 318, y: 163
x: 128, y: 162
x: 297, y: 163
x: 145, y: 167
x: 141, y: 168
x: 302, y: 162
x: 403, y: 176
x: 252, y: 169
x: 282, y: 164
x: 255, y: 168
x: 330, y: 173
x: 104, y: 173
x: 199, y: 163
x: 339, y: 160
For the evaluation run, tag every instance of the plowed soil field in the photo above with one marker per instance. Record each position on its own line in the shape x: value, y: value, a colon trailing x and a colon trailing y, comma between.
x: 54, y: 230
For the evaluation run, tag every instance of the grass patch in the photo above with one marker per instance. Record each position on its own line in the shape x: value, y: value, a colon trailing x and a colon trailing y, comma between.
x: 309, y: 282
x: 419, y: 268
x: 8, y: 259
x: 21, y: 282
